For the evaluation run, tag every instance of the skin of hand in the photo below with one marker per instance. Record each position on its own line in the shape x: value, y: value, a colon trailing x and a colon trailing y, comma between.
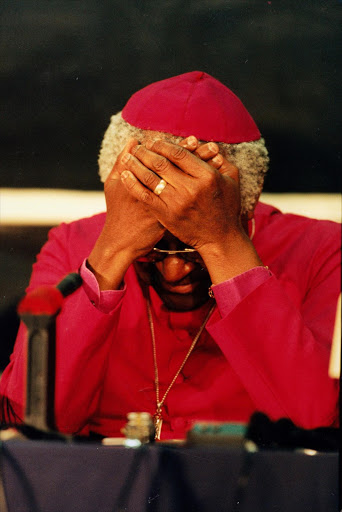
x: 182, y: 285
x: 130, y: 230
x: 207, y: 151
x: 199, y: 205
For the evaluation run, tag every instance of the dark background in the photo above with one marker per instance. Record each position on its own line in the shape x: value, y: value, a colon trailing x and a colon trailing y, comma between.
x: 67, y: 65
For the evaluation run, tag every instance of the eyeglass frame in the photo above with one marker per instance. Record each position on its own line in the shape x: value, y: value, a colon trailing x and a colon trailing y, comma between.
x: 167, y: 252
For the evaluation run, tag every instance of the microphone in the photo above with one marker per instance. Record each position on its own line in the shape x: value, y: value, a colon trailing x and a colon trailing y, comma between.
x: 38, y: 310
x: 48, y: 299
x: 69, y: 284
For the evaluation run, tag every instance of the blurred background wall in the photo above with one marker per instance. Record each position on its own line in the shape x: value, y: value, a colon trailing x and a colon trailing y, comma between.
x: 67, y: 65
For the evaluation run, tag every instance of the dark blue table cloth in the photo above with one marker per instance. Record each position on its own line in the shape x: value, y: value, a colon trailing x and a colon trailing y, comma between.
x: 45, y: 476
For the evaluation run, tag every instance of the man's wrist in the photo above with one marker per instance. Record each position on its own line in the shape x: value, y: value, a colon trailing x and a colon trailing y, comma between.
x: 108, y: 266
x: 230, y: 257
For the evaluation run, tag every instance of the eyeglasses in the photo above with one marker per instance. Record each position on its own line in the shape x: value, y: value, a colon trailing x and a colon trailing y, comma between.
x: 157, y: 255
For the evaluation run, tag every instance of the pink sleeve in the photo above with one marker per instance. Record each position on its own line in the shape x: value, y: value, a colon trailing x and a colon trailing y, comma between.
x: 85, y: 334
x: 105, y: 301
x: 230, y: 293
x: 279, y: 344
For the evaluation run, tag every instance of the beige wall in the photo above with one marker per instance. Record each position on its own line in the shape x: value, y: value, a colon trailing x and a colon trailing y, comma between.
x: 52, y: 206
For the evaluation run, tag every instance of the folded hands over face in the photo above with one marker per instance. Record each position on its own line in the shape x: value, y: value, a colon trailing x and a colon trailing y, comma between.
x: 199, y: 200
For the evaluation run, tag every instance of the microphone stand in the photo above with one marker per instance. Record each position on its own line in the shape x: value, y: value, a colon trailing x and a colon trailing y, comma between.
x: 40, y: 379
x: 39, y: 310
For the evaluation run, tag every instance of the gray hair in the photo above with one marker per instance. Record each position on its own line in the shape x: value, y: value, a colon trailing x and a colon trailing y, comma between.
x: 251, y: 158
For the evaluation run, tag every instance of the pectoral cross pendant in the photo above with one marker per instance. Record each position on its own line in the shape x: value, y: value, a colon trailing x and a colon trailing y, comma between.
x: 158, y: 423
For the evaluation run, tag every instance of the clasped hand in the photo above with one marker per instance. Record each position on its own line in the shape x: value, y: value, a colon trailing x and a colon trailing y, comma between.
x: 200, y: 203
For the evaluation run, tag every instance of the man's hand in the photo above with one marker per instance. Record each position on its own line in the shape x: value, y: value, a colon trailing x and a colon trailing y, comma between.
x: 130, y: 229
x: 199, y: 204
x: 127, y: 218
x: 206, y: 151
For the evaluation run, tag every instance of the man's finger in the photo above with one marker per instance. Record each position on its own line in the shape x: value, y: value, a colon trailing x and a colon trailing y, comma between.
x: 144, y: 174
x: 229, y: 169
x: 204, y: 151
x: 114, y: 174
x: 190, y: 143
x: 224, y: 167
x: 216, y: 162
x: 141, y: 193
x: 180, y: 157
x: 144, y: 161
x: 207, y: 151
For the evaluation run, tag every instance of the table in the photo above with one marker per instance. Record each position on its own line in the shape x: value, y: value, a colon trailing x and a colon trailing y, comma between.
x: 52, y: 476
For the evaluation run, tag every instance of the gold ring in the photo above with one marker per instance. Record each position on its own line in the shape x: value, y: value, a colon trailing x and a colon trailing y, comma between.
x: 160, y: 187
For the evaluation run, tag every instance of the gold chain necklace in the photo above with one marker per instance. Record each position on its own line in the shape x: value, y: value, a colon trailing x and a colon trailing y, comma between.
x: 158, y: 418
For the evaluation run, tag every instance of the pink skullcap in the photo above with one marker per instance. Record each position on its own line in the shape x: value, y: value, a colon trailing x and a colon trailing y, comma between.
x: 194, y: 103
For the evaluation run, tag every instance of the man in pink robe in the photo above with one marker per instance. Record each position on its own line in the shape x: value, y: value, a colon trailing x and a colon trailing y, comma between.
x: 183, y: 216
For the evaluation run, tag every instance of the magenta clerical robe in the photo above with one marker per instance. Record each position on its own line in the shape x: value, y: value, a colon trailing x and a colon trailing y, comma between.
x: 265, y: 348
